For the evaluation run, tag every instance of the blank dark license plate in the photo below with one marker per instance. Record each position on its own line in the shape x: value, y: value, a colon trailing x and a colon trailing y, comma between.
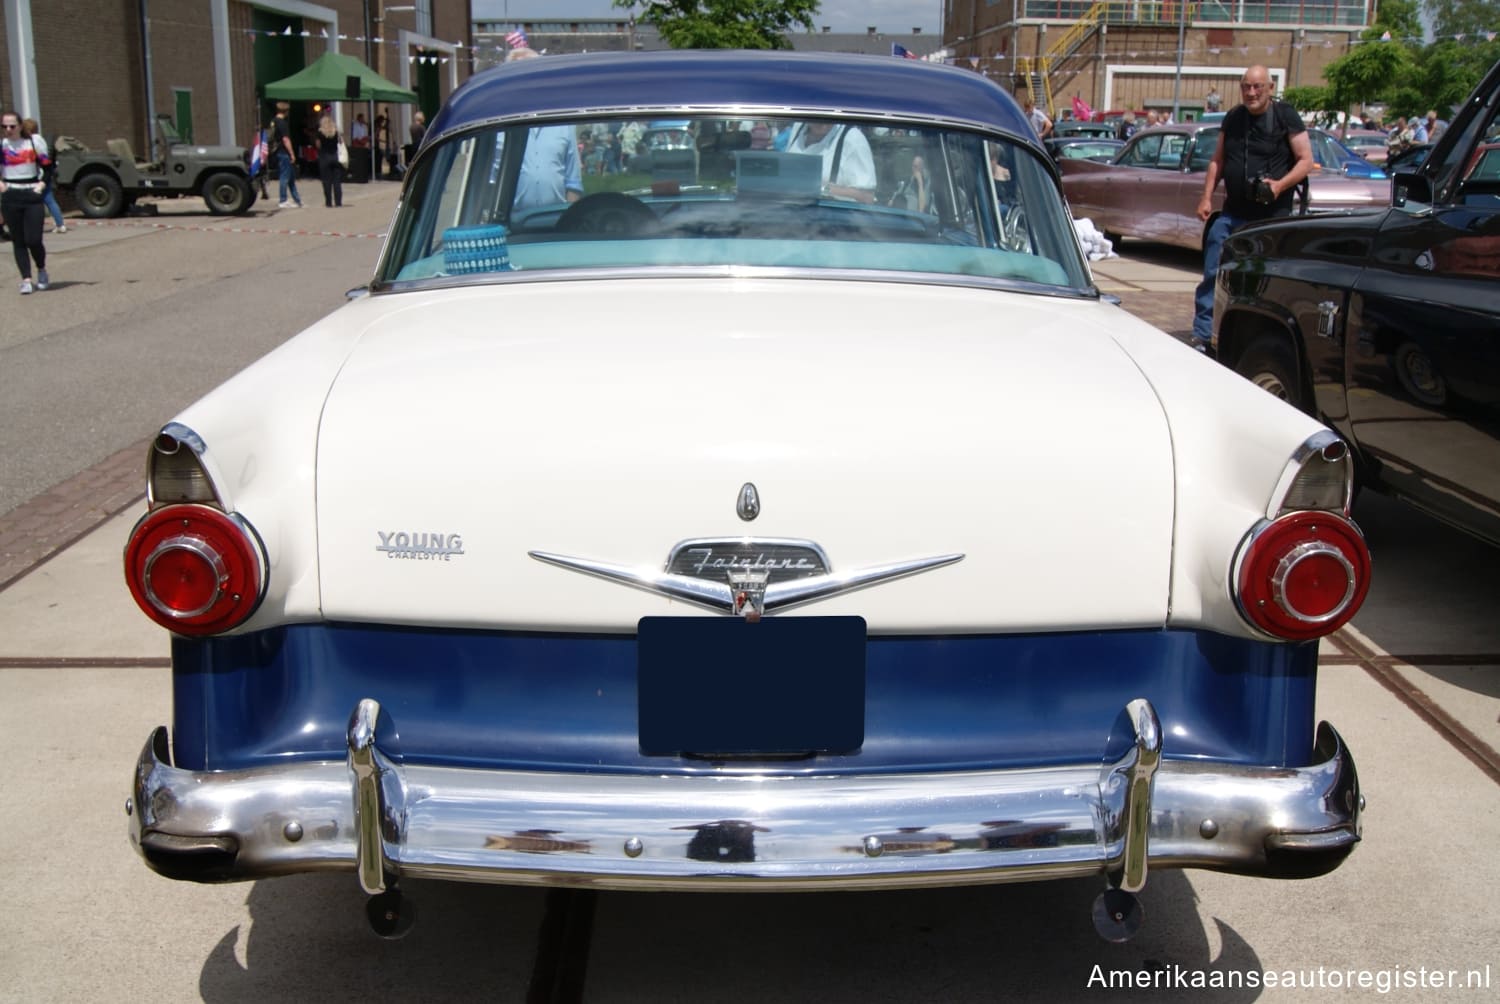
x: 783, y: 686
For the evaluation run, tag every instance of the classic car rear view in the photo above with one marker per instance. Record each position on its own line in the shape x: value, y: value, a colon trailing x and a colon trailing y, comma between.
x: 765, y: 521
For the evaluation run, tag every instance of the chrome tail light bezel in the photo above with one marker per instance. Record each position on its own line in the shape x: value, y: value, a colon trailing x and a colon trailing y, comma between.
x: 1269, y: 555
x: 224, y: 542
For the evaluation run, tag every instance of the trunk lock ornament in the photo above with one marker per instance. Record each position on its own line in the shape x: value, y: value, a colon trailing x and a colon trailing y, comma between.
x: 747, y: 577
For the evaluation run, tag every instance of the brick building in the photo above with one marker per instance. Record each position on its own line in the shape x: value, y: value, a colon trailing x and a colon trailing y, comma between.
x: 1123, y: 54
x: 98, y: 70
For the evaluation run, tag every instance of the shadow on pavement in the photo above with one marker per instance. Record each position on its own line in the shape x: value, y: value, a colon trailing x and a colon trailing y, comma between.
x: 1034, y: 941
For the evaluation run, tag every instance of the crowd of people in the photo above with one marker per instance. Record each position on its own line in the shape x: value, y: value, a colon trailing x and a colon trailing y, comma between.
x: 370, y: 151
x: 1406, y: 133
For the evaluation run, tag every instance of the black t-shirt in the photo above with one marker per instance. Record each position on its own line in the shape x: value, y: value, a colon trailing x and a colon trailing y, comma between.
x: 1255, y: 145
x: 281, y: 131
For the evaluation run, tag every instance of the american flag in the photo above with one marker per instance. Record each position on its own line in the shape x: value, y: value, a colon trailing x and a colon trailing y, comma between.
x: 258, y: 153
x: 517, y: 40
x: 902, y: 51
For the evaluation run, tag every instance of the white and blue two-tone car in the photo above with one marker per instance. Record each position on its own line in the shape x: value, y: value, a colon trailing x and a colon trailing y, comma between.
x: 791, y: 523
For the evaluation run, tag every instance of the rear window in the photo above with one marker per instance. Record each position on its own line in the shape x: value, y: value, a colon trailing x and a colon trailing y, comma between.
x: 515, y: 201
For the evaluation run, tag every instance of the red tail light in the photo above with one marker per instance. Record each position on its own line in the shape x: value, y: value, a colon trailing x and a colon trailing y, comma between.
x: 195, y: 570
x: 1303, y: 575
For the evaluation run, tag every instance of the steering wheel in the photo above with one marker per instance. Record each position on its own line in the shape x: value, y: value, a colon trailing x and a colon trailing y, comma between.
x: 612, y: 214
x: 1014, y: 232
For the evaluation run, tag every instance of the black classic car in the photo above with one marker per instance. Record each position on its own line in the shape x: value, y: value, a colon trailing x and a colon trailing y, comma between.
x: 1386, y: 324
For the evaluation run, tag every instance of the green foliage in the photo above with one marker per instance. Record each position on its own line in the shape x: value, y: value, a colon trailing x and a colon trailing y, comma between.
x: 1407, y: 76
x: 1402, y: 18
x: 1440, y: 79
x: 1306, y: 99
x: 725, y: 24
x: 1367, y: 73
x: 1463, y: 17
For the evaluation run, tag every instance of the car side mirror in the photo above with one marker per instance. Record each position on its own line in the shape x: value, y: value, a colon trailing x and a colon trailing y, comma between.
x: 1410, y: 188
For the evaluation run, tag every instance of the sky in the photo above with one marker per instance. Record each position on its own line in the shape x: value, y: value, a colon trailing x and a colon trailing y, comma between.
x: 897, y: 16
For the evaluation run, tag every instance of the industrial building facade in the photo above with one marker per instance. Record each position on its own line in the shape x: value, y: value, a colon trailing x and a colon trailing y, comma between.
x: 1124, y: 54
x: 104, y: 69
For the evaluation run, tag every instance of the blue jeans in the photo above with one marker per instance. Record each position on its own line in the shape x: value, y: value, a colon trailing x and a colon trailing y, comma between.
x: 1203, y: 299
x: 286, y: 176
x: 50, y: 201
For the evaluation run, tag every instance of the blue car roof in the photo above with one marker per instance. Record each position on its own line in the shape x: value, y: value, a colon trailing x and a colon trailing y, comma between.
x: 693, y: 80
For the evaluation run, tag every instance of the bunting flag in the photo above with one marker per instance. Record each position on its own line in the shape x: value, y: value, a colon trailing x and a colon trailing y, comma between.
x: 994, y: 63
x: 1081, y: 109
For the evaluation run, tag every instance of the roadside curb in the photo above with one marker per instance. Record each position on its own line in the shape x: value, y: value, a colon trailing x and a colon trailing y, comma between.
x: 51, y: 522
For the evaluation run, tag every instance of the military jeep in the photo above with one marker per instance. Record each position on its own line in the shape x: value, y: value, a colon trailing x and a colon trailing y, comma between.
x: 105, y: 183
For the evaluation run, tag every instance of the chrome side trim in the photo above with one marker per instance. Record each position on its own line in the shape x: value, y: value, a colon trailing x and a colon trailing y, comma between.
x: 720, y: 596
x: 739, y: 832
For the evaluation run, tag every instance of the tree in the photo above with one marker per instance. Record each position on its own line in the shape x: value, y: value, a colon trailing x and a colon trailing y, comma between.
x: 725, y: 24
x: 1441, y: 78
x: 1308, y: 99
x: 1376, y: 68
x: 1408, y: 77
x: 1402, y: 18
x: 1462, y: 17
x: 1368, y: 73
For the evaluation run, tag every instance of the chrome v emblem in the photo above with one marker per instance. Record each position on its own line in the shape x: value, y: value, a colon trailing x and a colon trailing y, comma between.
x: 722, y: 596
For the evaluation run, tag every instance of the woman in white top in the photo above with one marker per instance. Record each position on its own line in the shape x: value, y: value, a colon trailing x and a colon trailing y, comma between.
x: 22, y: 159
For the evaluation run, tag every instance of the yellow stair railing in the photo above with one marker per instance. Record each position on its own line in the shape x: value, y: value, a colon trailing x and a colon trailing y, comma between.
x: 1037, y: 72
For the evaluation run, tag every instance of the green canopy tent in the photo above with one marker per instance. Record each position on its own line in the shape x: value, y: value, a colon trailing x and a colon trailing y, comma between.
x: 328, y: 79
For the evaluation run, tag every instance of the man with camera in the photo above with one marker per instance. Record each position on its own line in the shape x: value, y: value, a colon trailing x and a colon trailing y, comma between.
x: 1263, y: 154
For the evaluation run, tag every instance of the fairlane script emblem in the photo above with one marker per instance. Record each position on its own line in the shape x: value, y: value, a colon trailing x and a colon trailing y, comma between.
x: 749, y: 576
x: 420, y: 546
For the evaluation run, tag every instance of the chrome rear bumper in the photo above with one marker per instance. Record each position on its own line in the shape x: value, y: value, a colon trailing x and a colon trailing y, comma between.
x: 387, y: 821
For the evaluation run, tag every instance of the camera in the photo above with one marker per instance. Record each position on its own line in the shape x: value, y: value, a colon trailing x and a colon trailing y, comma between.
x: 1261, y: 191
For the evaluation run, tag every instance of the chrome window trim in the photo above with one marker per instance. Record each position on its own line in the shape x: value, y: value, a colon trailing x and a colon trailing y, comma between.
x: 874, y: 116
x: 733, y: 272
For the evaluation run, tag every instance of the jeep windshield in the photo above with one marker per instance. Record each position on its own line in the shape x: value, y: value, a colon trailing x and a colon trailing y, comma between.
x: 506, y: 202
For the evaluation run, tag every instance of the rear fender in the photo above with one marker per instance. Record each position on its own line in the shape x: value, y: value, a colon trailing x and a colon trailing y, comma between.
x: 1248, y: 317
x: 71, y: 167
